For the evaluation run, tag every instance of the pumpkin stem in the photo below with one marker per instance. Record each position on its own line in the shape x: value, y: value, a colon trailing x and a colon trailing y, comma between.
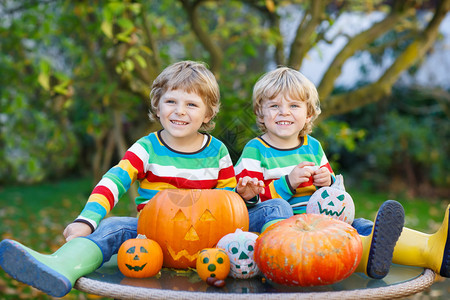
x: 339, y: 183
x: 141, y: 236
x: 303, y: 225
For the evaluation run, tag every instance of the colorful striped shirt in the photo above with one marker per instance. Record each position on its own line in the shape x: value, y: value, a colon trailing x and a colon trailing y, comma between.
x: 272, y: 165
x: 157, y: 167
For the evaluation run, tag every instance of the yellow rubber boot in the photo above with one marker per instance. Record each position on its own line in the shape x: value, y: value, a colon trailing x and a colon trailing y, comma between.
x: 378, y: 247
x: 431, y: 251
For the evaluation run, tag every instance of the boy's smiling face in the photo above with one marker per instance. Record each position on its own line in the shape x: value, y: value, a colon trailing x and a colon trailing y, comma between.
x: 283, y: 118
x: 181, y: 115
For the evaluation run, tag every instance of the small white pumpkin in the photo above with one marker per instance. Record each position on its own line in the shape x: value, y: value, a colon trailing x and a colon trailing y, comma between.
x: 240, y: 247
x: 333, y: 201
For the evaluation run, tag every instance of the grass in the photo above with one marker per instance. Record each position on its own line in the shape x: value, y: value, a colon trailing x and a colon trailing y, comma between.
x: 420, y: 214
x: 37, y: 215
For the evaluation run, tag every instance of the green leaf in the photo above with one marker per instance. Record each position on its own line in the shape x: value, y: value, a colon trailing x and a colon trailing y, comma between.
x: 141, y: 61
x: 129, y: 65
x: 116, y: 8
x: 44, y: 81
x: 44, y: 75
x: 107, y: 29
x: 126, y: 24
x: 135, y: 7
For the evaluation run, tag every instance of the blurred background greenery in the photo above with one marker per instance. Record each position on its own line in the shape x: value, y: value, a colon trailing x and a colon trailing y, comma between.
x: 75, y: 78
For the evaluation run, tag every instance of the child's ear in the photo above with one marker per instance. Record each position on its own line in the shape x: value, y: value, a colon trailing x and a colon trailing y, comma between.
x: 260, y: 119
x: 207, y: 119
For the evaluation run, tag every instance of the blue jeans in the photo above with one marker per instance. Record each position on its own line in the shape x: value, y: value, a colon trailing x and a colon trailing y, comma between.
x: 112, y: 232
x: 267, y: 211
x: 363, y: 226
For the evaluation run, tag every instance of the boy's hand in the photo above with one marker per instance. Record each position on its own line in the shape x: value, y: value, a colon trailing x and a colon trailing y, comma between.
x: 248, y: 187
x: 322, y: 177
x: 301, y: 173
x: 76, y: 229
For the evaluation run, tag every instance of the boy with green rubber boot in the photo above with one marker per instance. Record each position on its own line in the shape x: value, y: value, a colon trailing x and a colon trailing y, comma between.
x: 185, y: 98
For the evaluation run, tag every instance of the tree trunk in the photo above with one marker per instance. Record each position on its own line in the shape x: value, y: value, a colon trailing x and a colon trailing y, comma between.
x: 205, y: 39
x: 307, y: 29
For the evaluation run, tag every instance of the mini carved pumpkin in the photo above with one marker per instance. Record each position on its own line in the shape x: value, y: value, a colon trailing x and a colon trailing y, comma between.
x: 308, y: 250
x: 184, y: 222
x: 240, y: 249
x: 213, y: 262
x: 139, y: 257
x: 333, y: 201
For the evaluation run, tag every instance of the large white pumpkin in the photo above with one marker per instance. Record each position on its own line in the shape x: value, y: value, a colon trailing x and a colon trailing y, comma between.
x: 240, y: 247
x: 333, y: 201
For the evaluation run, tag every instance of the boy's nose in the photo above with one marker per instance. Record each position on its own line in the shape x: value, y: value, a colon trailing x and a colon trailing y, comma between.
x: 180, y: 110
x: 284, y: 110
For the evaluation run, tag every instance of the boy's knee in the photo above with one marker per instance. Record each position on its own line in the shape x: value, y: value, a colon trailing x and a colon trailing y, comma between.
x: 112, y: 224
x: 283, y: 207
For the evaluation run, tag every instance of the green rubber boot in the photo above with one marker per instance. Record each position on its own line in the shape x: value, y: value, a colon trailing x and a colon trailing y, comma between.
x: 54, y: 274
x: 267, y: 225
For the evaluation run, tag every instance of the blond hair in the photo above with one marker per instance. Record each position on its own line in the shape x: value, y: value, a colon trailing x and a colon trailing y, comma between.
x: 191, y: 77
x: 291, y: 84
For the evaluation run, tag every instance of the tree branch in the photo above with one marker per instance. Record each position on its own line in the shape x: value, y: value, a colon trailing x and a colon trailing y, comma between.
x: 204, y: 38
x: 346, y: 102
x: 306, y: 29
x: 279, y: 44
x: 269, y: 9
x: 355, y: 44
x: 156, y: 59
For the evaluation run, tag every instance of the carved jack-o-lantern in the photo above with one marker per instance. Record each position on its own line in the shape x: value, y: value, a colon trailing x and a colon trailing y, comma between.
x: 213, y: 262
x: 184, y: 222
x: 139, y: 257
x: 240, y: 249
x: 333, y: 201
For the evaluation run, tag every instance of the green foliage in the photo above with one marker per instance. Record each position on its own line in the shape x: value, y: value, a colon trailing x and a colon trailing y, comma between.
x: 79, y: 73
x: 337, y: 137
x: 407, y: 139
x: 58, y: 89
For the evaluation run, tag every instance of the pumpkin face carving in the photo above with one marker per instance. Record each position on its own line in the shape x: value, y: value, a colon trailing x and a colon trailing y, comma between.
x: 333, y: 201
x: 240, y: 249
x: 184, y: 222
x: 213, y: 262
x: 139, y: 258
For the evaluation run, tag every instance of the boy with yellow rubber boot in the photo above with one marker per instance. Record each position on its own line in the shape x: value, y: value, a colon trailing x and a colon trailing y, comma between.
x: 292, y: 165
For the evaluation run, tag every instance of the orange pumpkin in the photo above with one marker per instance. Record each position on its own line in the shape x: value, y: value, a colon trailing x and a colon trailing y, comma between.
x: 213, y: 262
x: 308, y: 250
x: 139, y: 258
x: 183, y: 222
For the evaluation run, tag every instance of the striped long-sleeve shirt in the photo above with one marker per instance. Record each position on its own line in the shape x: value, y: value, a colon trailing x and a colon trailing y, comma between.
x: 265, y: 162
x: 157, y: 167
